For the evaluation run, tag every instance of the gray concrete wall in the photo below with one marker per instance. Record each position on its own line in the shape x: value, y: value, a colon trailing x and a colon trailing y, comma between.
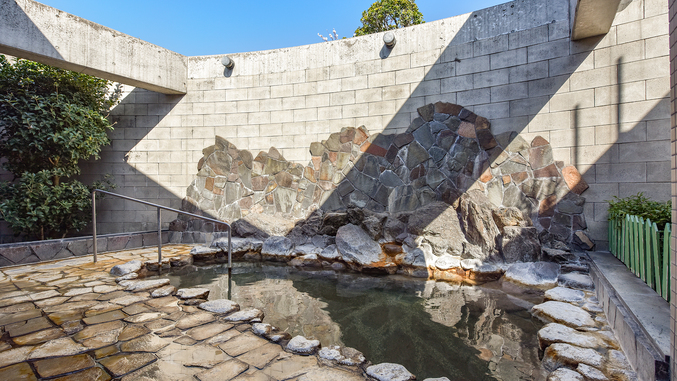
x: 41, y: 33
x: 602, y: 102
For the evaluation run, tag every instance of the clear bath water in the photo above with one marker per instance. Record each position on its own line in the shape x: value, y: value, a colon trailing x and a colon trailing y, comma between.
x: 433, y: 328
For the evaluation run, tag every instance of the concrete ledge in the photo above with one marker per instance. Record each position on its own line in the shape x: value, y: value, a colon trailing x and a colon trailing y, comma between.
x: 593, y: 18
x: 639, y: 317
x: 44, y: 34
x: 39, y: 251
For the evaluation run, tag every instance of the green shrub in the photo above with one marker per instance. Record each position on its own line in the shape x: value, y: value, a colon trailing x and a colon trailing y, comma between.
x: 50, y: 120
x: 638, y: 205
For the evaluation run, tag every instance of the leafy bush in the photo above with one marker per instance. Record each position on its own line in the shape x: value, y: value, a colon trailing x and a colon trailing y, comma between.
x: 638, y: 205
x: 389, y: 14
x: 50, y: 119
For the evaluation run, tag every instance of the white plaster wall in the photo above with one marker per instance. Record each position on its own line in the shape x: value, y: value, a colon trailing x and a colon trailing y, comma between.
x: 601, y: 102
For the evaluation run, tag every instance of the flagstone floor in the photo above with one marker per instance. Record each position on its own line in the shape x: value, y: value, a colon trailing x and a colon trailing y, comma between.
x: 70, y: 320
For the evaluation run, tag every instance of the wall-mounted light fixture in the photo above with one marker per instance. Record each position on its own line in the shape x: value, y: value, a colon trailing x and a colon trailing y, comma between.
x: 389, y: 39
x: 227, y: 62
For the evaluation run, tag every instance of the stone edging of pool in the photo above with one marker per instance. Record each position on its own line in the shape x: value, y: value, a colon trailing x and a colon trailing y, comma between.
x: 577, y: 340
x: 61, y: 310
x: 639, y: 317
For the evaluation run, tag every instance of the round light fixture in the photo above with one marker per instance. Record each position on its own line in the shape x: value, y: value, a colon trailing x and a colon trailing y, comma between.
x: 227, y: 62
x: 389, y: 39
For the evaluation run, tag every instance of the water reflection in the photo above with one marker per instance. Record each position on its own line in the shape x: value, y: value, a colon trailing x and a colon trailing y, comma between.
x: 433, y: 328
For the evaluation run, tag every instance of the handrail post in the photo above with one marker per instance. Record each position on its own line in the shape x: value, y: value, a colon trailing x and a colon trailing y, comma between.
x: 94, y: 222
x: 159, y: 238
x: 230, y: 251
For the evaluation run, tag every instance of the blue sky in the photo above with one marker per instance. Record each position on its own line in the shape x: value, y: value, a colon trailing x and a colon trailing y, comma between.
x: 206, y: 27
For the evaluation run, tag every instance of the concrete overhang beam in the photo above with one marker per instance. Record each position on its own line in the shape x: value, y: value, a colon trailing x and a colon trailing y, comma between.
x: 592, y: 17
x: 40, y: 33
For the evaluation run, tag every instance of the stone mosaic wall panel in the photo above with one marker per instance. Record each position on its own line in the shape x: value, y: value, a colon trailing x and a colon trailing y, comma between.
x: 445, y: 152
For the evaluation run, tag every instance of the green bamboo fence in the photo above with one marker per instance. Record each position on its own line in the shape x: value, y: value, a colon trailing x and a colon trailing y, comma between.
x: 645, y: 249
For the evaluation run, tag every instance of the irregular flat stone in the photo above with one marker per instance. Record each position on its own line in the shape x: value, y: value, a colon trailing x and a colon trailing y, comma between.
x: 193, y: 293
x: 105, y: 317
x: 242, y: 344
x: 245, y: 315
x: 91, y: 374
x: 29, y: 326
x: 44, y: 295
x: 132, y: 331
x: 200, y: 355
x: 330, y: 374
x: 220, y: 306
x: 128, y: 299
x: 64, y: 346
x: 542, y: 275
x: 195, y: 319
x: 576, y: 280
x: 565, y: 294
x: 20, y: 371
x: 144, y: 317
x: 39, y: 337
x: 303, y: 346
x: 277, y: 246
x: 95, y: 330
x: 126, y: 268
x: 16, y: 317
x: 163, y: 291
x: 104, y: 289
x: 564, y: 374
x: 78, y: 291
x: 261, y: 356
x: 102, y: 340
x: 224, y: 371
x: 558, y: 333
x: 13, y: 356
x: 145, y: 285
x: 223, y: 337
x: 564, y: 355
x: 389, y: 372
x: 290, y: 367
x: 119, y: 365
x: 208, y: 330
x: 62, y: 365
x: 563, y: 313
x: 161, y: 325
x: 146, y: 343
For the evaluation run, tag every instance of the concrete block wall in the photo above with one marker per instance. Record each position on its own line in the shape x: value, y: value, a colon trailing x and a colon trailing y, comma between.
x: 673, y: 173
x: 602, y: 102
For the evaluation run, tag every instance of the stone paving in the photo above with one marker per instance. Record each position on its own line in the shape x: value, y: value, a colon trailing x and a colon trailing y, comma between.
x: 71, y: 320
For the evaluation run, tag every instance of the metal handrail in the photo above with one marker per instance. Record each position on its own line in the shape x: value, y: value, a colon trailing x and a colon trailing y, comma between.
x: 159, y: 223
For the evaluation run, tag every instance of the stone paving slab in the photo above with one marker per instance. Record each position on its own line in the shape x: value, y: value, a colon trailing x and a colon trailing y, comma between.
x: 69, y: 320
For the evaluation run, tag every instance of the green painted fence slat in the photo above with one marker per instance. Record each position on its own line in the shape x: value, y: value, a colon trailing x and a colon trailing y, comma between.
x: 640, y: 248
x: 656, y: 256
x: 666, y: 262
x: 647, y: 252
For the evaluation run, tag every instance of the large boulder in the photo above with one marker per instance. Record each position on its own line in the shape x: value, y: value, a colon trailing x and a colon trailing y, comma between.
x: 439, y: 225
x: 541, y: 275
x: 262, y: 226
x: 355, y: 246
x: 478, y: 221
x: 277, y: 248
x: 520, y: 244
